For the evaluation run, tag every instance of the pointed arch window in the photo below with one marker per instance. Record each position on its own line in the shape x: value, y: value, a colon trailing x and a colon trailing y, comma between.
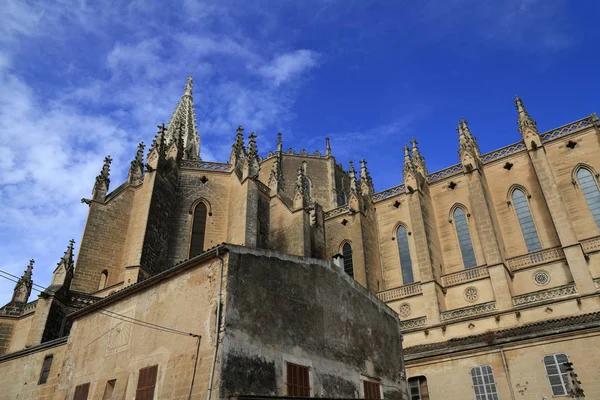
x: 103, y: 280
x: 405, y: 260
x: 589, y: 187
x: 464, y: 238
x: 521, y: 205
x: 198, y: 230
x: 347, y: 253
x: 306, y: 186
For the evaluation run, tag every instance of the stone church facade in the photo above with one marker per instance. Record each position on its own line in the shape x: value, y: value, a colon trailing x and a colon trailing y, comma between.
x: 490, y: 269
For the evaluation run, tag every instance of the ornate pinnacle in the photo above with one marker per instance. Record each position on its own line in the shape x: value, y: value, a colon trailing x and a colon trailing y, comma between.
x: 184, y: 118
x: 352, y: 173
x: 103, y: 180
x: 189, y: 85
x: 406, y: 154
x: 364, y: 174
x: 29, y: 271
x: 327, y: 147
x: 252, y: 150
x: 136, y: 169
x: 524, y: 121
x: 418, y: 159
x: 300, y: 184
x: 252, y: 159
x: 279, y: 143
x: 237, y: 149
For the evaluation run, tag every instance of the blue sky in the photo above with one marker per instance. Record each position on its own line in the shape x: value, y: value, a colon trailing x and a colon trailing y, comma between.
x: 83, y: 79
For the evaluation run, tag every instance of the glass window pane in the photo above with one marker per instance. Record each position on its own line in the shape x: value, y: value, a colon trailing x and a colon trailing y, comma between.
x: 405, y: 260
x: 348, y: 265
x: 521, y: 205
x: 464, y: 238
x: 588, y: 186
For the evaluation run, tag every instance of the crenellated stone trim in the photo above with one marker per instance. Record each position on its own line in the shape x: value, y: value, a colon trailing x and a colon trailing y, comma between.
x: 471, y: 311
x: 542, y: 295
x: 413, y: 323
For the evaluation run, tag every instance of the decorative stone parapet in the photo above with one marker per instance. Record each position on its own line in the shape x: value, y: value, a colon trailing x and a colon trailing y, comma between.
x: 211, y: 166
x: 30, y: 307
x: 503, y: 152
x: 539, y: 257
x: 413, y: 323
x: 465, y: 276
x: 569, y: 128
x: 591, y: 245
x: 471, y: 311
x: 400, y: 292
x: 542, y: 295
x: 445, y: 173
x: 336, y: 211
x: 389, y: 193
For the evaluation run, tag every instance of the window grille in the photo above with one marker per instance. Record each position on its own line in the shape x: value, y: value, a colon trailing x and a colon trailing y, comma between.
x: 146, y: 383
x: 464, y: 238
x: 484, y: 384
x: 371, y: 390
x: 589, y: 187
x: 521, y: 206
x: 81, y: 392
x: 198, y: 230
x: 418, y: 389
x: 298, y: 380
x: 405, y: 260
x: 45, y: 369
x: 557, y: 373
x: 347, y: 253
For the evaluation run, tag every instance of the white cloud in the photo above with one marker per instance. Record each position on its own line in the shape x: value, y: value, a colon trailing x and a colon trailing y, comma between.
x: 289, y: 65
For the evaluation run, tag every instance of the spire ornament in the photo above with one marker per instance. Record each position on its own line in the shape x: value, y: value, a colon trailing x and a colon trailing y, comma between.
x: 352, y: 174
x: 136, y: 169
x: 102, y: 181
x: 64, y: 268
x: 23, y: 287
x: 301, y: 199
x: 366, y: 183
x: 418, y: 159
x: 238, y: 149
x: 252, y: 163
x: 276, y: 175
x: 184, y: 118
x: 468, y: 149
x: 327, y: 147
x: 527, y: 126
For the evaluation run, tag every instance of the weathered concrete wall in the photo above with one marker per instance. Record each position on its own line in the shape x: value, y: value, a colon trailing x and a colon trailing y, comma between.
x: 320, y: 317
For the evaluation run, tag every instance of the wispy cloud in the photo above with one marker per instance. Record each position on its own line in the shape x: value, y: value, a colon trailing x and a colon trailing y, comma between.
x: 289, y: 65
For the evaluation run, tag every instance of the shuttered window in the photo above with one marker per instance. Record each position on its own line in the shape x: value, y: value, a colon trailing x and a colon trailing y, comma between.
x: 347, y: 253
x: 557, y: 373
x: 146, y: 383
x: 521, y: 206
x: 484, y: 384
x: 418, y: 389
x: 372, y: 390
x: 198, y: 230
x: 464, y: 238
x: 589, y: 187
x: 81, y: 392
x: 405, y: 260
x: 45, y: 372
x: 298, y: 380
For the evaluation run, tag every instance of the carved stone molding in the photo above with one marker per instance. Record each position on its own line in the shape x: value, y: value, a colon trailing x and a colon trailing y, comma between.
x: 413, y: 323
x: 469, y: 311
x: 336, y: 211
x: 542, y: 295
x: 400, y: 292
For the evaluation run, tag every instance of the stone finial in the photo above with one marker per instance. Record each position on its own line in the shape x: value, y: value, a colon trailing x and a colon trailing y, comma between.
x: 238, y: 149
x: 23, y: 287
x: 418, y: 159
x: 301, y: 199
x: 300, y: 182
x: 276, y: 175
x: 189, y: 85
x: 366, y: 182
x: 102, y: 181
x: 468, y: 149
x: 524, y: 121
x: 136, y: 169
x: 29, y: 271
x: 327, y: 147
x: 252, y: 159
x: 64, y: 270
x: 279, y: 142
x: 352, y: 174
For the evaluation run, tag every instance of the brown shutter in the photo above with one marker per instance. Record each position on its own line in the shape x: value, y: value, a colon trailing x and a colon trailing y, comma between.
x: 146, y: 383
x: 198, y: 230
x: 372, y: 390
x: 81, y: 392
x: 298, y: 380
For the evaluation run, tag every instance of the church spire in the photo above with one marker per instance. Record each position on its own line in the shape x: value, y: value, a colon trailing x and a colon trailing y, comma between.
x: 102, y: 181
x: 184, y: 118
x: 524, y: 121
x: 417, y: 157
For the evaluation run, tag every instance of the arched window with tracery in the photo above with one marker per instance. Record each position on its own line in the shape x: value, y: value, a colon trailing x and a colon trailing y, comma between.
x: 589, y: 187
x: 405, y: 260
x: 347, y: 254
x: 103, y: 280
x: 464, y: 238
x: 521, y: 205
x: 198, y: 230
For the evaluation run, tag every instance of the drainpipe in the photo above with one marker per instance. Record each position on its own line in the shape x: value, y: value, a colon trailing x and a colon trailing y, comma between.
x: 217, y: 323
x: 506, y: 371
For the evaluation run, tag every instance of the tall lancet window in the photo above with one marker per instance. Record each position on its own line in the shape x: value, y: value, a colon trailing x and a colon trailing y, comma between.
x: 198, y: 230
x: 532, y: 241
x: 464, y: 238
x: 589, y: 187
x: 306, y: 186
x: 347, y: 253
x: 405, y: 261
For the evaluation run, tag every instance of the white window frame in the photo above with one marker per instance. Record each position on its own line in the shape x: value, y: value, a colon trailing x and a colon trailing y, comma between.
x: 486, y: 395
x: 560, y: 374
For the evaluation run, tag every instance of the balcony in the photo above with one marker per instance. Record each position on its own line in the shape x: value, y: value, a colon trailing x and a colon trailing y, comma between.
x: 400, y: 292
x: 591, y: 245
x: 539, y: 257
x: 465, y: 276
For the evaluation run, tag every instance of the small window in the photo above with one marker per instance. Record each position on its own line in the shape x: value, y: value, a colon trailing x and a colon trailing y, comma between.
x: 298, y: 380
x: 109, y: 389
x: 417, y: 388
x: 306, y: 186
x: 521, y: 206
x: 372, y: 390
x: 45, y: 369
x: 81, y: 392
x: 464, y: 238
x: 484, y: 384
x: 146, y: 383
x: 103, y: 280
x: 589, y: 187
x: 198, y: 230
x: 405, y: 260
x: 556, y: 371
x: 341, y: 198
x: 348, y: 265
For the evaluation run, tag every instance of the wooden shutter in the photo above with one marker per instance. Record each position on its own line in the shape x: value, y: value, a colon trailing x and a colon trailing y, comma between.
x: 81, y: 392
x: 372, y: 390
x: 298, y: 383
x: 198, y: 230
x: 45, y: 370
x: 146, y: 383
